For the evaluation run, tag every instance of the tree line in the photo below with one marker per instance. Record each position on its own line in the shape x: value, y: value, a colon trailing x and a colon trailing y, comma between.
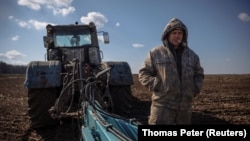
x: 12, y: 69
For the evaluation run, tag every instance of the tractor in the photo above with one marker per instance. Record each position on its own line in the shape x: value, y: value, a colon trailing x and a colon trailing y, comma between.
x: 74, y: 85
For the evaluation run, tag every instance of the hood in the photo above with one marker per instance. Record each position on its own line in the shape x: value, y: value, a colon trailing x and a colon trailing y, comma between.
x: 172, y: 24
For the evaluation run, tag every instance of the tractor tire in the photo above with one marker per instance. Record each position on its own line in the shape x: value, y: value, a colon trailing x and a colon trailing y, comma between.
x: 122, y: 99
x: 40, y: 100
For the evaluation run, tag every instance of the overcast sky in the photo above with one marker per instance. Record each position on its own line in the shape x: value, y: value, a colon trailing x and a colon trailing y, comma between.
x: 219, y: 30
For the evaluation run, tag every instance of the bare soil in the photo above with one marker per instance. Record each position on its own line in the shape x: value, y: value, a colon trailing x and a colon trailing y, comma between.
x: 225, y: 99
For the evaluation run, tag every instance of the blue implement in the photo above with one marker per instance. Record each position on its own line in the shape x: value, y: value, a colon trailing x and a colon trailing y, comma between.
x: 101, y: 125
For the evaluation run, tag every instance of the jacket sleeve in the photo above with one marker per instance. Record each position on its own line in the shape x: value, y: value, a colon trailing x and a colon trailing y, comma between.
x: 198, y: 76
x: 147, y: 75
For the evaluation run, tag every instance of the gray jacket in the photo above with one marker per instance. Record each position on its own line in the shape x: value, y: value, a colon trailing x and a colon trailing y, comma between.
x: 159, y: 73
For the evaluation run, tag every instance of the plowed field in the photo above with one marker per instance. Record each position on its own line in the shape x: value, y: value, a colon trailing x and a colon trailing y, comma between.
x: 225, y: 99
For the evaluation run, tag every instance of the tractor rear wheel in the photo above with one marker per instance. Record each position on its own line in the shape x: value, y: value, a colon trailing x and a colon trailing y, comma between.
x: 122, y: 99
x: 40, y: 100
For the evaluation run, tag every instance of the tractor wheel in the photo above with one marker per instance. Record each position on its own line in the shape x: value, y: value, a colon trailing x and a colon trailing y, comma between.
x: 39, y: 102
x: 122, y: 99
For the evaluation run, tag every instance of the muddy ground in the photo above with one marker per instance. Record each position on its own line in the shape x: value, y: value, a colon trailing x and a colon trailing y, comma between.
x: 225, y: 99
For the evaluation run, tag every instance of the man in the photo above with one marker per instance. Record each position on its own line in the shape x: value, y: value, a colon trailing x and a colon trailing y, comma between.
x: 173, y: 73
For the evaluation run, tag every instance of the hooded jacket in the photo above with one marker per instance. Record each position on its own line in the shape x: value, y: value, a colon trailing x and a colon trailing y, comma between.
x: 159, y: 72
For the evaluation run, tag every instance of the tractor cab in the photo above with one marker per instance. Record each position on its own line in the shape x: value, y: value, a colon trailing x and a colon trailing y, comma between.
x: 68, y: 42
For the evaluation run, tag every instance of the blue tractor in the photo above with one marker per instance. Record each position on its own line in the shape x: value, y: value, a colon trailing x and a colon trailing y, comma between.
x: 74, y: 85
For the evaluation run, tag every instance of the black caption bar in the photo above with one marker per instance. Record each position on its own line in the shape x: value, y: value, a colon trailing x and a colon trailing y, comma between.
x: 207, y: 132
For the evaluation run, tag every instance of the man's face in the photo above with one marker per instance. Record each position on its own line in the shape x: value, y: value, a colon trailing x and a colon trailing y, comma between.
x: 175, y: 37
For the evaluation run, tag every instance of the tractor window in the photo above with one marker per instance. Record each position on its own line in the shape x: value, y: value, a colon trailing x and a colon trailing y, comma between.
x: 72, y: 38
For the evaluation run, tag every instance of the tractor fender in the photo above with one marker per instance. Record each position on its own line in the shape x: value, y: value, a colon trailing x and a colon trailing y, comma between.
x: 120, y: 73
x: 43, y: 74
